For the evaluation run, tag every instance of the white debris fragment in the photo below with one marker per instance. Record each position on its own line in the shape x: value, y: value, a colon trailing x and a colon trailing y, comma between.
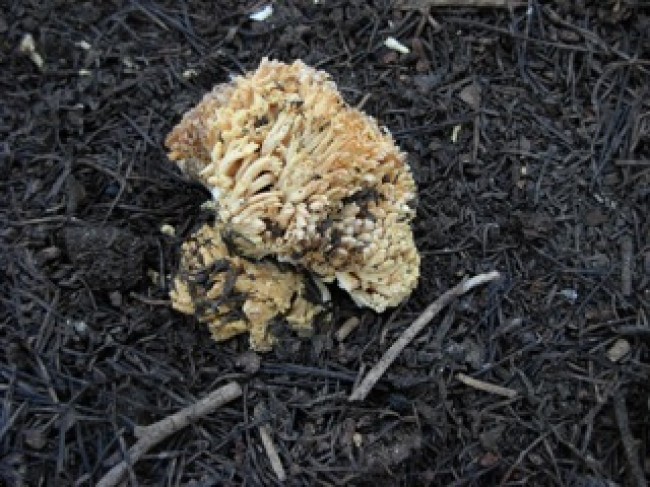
x: 167, y: 229
x: 569, y: 294
x: 85, y: 72
x: 27, y: 44
x: 190, y: 73
x: 619, y: 350
x: 79, y: 326
x: 357, y: 438
x: 394, y: 44
x: 83, y: 45
x: 604, y: 200
x: 28, y: 47
x: 263, y: 14
x: 154, y: 276
x: 455, y: 133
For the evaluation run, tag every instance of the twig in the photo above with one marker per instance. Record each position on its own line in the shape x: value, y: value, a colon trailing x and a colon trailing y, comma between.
x: 521, y: 456
x: 363, y: 101
x: 153, y: 434
x: 486, y: 386
x: 347, y: 328
x: 629, y: 443
x: 627, y: 249
x: 360, y: 393
x: 424, y: 4
x: 269, y: 446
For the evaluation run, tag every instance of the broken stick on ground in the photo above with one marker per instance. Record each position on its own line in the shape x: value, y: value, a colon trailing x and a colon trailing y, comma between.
x: 486, y: 386
x: 426, y: 4
x: 366, y: 385
x: 151, y: 435
x: 269, y: 446
x: 629, y: 442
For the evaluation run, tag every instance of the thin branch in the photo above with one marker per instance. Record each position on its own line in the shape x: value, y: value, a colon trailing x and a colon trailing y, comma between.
x: 627, y: 261
x: 426, y: 4
x: 486, y: 386
x: 269, y: 446
x: 150, y: 436
x: 366, y: 385
x: 629, y: 443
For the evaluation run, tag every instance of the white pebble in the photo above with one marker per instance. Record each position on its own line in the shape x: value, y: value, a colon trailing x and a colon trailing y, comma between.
x: 168, y: 230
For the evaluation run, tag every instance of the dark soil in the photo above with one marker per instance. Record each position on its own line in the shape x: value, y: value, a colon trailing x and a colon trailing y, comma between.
x: 547, y: 180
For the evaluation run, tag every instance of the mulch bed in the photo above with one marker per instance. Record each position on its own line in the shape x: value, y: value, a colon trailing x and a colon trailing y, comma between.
x: 528, y: 131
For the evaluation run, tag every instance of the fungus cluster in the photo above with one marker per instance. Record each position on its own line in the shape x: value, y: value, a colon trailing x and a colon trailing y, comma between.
x: 301, y: 177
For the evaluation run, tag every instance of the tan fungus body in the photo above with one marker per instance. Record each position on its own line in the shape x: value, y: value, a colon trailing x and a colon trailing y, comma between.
x: 301, y: 176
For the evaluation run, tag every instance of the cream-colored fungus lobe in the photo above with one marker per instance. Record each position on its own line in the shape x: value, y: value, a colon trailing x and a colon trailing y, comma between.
x: 302, y: 177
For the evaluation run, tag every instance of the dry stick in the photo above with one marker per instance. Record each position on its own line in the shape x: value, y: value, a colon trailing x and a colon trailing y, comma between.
x: 347, y: 328
x: 153, y: 434
x: 423, y: 4
x: 629, y: 443
x: 627, y: 250
x: 521, y: 457
x: 486, y: 386
x: 269, y: 446
x: 369, y: 381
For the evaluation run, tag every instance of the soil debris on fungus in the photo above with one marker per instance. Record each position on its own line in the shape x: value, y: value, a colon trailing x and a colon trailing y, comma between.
x: 236, y: 295
x: 300, y: 176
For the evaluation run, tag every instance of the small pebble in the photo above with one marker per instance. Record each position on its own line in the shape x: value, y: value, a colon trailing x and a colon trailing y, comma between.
x: 168, y: 230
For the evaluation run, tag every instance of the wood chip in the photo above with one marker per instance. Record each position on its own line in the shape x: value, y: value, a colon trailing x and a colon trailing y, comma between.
x: 619, y: 350
x: 471, y: 95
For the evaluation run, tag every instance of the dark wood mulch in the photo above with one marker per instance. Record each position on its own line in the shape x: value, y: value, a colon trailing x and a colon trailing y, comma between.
x: 548, y: 181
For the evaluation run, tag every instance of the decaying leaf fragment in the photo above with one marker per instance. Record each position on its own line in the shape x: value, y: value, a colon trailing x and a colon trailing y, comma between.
x: 302, y: 177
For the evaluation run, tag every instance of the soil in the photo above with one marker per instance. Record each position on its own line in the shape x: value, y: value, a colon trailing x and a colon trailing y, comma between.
x: 528, y: 131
